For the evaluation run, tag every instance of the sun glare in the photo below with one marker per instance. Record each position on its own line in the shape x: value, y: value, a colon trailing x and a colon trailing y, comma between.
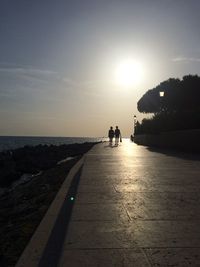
x: 129, y: 73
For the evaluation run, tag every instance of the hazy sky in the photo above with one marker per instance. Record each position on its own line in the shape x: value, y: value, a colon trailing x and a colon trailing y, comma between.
x: 58, y: 60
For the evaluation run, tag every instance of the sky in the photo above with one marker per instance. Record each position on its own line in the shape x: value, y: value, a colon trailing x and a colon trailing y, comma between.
x: 59, y: 59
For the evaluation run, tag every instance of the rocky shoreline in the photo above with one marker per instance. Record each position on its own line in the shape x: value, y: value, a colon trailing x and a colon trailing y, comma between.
x: 23, y: 206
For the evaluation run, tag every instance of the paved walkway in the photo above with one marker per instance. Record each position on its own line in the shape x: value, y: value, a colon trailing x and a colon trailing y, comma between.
x: 133, y: 207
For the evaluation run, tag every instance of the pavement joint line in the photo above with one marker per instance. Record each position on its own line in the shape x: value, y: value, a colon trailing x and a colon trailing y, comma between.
x: 101, y: 248
x: 36, y: 246
x: 106, y: 221
x: 169, y: 248
x: 135, y: 220
x: 129, y: 248
x: 163, y: 220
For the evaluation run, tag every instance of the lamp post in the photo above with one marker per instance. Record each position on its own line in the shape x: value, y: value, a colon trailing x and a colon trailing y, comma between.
x: 134, y: 123
x: 161, y: 94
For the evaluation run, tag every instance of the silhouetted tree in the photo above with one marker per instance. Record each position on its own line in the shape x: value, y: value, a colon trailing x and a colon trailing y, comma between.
x: 179, y: 95
x: 178, y: 109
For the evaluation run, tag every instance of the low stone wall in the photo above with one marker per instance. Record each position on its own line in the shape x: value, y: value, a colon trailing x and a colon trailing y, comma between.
x: 188, y: 140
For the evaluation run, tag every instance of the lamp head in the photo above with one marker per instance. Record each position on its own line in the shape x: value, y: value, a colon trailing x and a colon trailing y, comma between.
x: 162, y: 94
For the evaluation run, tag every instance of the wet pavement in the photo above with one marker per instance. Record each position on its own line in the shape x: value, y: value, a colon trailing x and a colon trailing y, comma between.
x: 135, y: 206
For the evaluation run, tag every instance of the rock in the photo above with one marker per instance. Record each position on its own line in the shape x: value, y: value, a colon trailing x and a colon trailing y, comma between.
x: 31, y: 160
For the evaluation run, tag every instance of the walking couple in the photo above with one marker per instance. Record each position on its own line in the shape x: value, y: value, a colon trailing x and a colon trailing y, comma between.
x: 116, y: 134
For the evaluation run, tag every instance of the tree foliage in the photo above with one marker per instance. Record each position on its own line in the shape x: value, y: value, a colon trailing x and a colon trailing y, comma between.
x: 179, y: 96
x: 178, y: 109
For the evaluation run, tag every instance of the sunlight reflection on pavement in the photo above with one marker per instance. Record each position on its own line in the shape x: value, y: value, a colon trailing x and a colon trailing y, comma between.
x: 141, y: 202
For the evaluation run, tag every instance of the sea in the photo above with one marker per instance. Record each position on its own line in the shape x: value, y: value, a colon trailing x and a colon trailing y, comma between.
x: 13, y: 142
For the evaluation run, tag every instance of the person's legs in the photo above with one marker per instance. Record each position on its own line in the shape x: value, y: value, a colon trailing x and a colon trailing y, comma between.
x: 110, y: 141
x: 116, y: 141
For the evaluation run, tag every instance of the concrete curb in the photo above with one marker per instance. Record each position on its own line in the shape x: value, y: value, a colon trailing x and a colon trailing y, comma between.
x: 33, y: 252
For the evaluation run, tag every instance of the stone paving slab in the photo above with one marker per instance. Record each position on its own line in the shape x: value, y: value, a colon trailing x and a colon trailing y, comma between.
x: 157, y: 188
x: 171, y: 234
x: 100, y: 234
x: 179, y: 257
x: 100, y: 212
x: 104, y: 257
x: 99, y: 197
x: 96, y: 188
x: 160, y: 211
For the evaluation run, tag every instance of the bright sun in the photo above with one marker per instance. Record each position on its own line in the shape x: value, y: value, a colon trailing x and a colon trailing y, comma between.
x: 129, y: 73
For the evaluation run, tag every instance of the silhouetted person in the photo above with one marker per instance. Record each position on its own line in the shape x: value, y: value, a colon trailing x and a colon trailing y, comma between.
x: 117, y: 136
x: 111, y: 135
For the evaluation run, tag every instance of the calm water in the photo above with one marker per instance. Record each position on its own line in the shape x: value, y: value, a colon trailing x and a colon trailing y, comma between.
x: 12, y: 142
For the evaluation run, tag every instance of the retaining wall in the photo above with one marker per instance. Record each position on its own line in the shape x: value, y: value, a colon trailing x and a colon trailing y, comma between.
x: 188, y: 140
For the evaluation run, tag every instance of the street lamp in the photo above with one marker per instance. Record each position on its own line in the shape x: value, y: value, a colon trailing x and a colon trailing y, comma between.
x: 134, y: 123
x: 162, y: 94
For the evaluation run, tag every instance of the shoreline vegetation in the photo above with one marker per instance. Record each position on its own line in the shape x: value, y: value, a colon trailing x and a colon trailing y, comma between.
x: 30, y: 178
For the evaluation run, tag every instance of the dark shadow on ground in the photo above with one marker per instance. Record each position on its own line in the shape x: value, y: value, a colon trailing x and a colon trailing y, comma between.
x: 176, y: 153
x: 113, y: 146
x: 110, y: 146
x: 53, y: 249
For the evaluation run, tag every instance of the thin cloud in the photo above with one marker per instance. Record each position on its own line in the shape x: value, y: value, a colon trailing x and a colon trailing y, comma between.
x: 28, y: 71
x: 42, y: 74
x: 73, y: 83
x: 88, y: 88
x: 25, y: 81
x: 186, y: 59
x: 26, y: 78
